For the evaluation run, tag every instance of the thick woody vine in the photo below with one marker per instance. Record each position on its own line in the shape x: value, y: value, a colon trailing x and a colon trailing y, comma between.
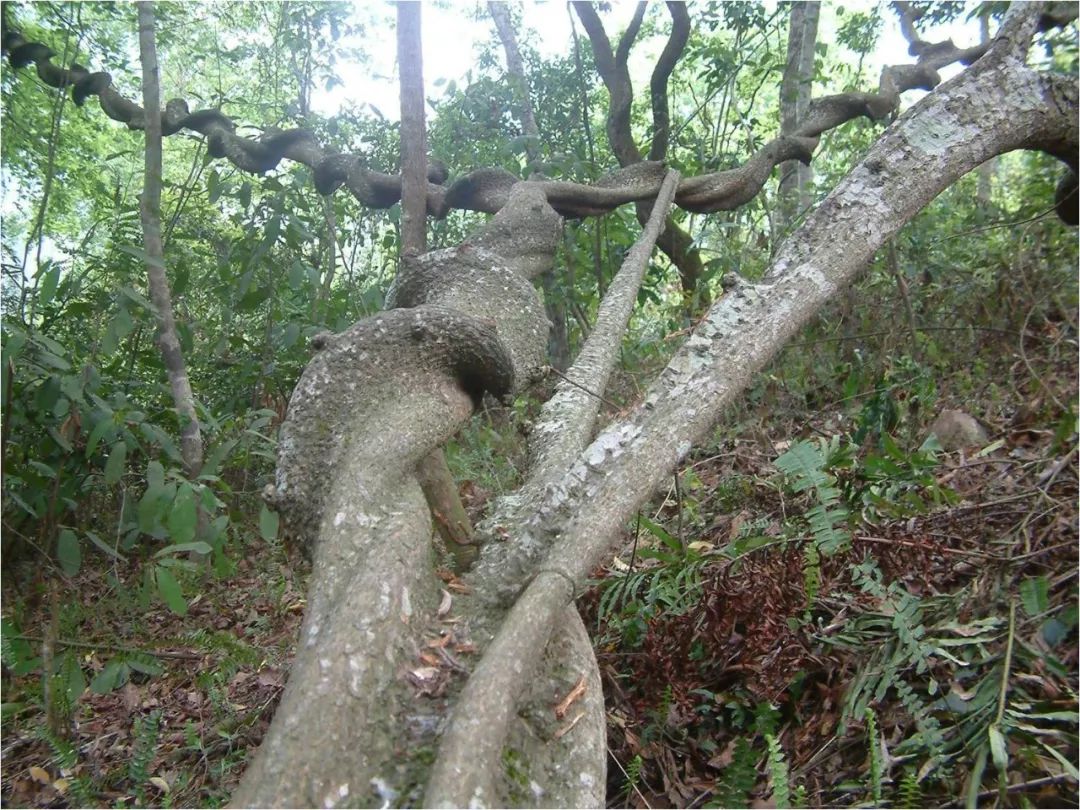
x: 487, y: 190
x: 345, y: 474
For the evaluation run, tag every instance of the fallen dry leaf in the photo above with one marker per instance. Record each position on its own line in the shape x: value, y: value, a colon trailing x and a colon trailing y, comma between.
x: 566, y: 729
x: 445, y: 605
x: 568, y: 701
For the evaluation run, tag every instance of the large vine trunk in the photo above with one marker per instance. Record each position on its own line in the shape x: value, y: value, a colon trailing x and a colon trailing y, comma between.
x: 407, y: 688
x: 367, y: 716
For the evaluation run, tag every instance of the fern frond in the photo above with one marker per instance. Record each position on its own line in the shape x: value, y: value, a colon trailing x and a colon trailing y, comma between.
x: 145, y: 733
x: 910, y: 794
x: 778, y: 773
x: 875, y: 756
x: 738, y: 779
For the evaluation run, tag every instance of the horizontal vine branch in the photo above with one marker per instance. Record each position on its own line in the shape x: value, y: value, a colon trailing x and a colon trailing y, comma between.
x: 487, y: 190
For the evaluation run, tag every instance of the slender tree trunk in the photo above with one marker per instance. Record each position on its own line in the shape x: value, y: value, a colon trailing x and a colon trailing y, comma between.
x: 987, y: 171
x: 323, y: 295
x: 413, y: 134
x: 795, y: 178
x: 436, y: 482
x: 558, y: 340
x: 515, y: 69
x: 191, y: 446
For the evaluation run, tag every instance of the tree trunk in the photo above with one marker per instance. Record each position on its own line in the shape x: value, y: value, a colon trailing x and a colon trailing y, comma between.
x: 367, y: 717
x: 554, y: 305
x: 796, y: 179
x: 988, y: 169
x: 613, y: 68
x: 413, y: 131
x: 191, y: 447
x: 440, y: 490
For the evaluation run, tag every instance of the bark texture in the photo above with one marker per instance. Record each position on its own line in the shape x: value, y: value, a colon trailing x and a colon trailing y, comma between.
x: 440, y: 491
x: 413, y: 132
x: 559, y: 341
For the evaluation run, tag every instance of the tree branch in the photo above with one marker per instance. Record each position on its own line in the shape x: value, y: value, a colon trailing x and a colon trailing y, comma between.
x: 467, y: 760
x: 658, y: 84
x: 487, y: 190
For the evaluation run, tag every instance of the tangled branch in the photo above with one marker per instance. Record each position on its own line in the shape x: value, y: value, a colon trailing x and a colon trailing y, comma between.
x: 487, y: 190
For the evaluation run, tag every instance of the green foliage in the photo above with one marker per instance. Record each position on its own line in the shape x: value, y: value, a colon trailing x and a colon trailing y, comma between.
x: 778, y: 772
x: 874, y: 744
x: 909, y: 794
x: 805, y: 464
x: 738, y: 778
x: 93, y: 477
x: 234, y: 652
x: 144, y: 745
x: 633, y: 773
x: 15, y: 651
x: 119, y: 669
x: 670, y: 584
x: 66, y: 757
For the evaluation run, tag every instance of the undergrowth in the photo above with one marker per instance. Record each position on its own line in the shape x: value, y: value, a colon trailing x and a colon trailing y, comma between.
x: 849, y: 594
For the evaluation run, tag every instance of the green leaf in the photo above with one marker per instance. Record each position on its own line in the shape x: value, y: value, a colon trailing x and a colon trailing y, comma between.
x: 183, y: 517
x: 219, y: 454
x: 214, y: 186
x: 155, y: 476
x: 113, y: 675
x: 169, y: 589
x: 182, y: 548
x: 138, y: 298
x: 68, y: 552
x: 97, y: 541
x: 49, y: 282
x: 298, y: 274
x: 253, y: 299
x: 1035, y: 594
x: 1069, y: 767
x: 975, y: 777
x: 181, y: 279
x: 97, y: 434
x: 132, y: 250
x: 148, y: 510
x: 661, y: 534
x: 803, y: 462
x: 268, y: 523
x: 999, y: 749
x: 145, y: 664
x: 114, y: 466
x: 43, y: 469
x: 64, y: 444
x: 290, y: 335
x: 71, y: 675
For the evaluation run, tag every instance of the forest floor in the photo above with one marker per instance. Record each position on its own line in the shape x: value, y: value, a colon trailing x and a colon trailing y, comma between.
x: 741, y: 666
x: 773, y: 644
